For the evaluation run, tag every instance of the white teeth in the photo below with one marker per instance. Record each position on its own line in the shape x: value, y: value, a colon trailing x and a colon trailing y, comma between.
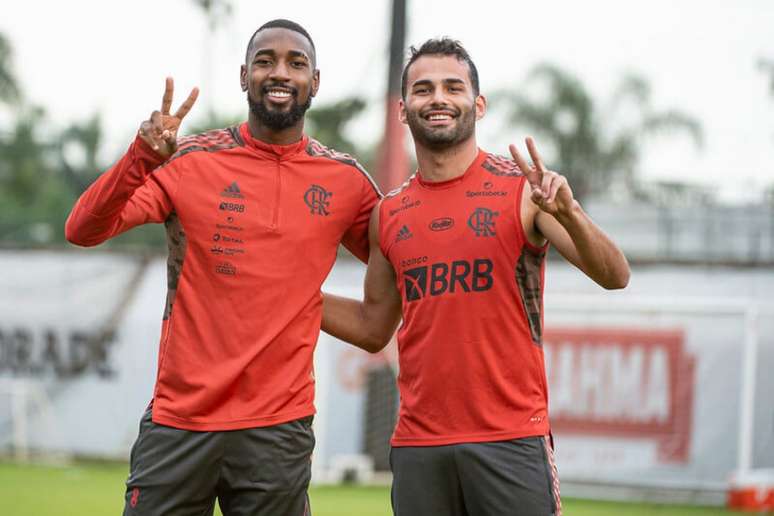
x: 439, y: 117
x: 281, y: 94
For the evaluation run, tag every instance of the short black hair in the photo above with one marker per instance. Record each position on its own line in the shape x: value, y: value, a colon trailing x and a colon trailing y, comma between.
x: 281, y: 23
x: 441, y: 47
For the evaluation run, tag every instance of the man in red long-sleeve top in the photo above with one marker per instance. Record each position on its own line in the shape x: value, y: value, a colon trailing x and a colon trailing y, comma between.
x: 254, y: 215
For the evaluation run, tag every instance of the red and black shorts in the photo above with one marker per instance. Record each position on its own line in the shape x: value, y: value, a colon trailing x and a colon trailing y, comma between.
x: 515, y: 477
x: 257, y: 471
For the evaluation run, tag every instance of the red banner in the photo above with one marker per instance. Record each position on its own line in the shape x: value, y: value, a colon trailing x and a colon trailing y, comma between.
x: 622, y: 383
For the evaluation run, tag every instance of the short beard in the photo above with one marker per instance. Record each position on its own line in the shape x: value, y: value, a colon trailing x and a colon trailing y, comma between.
x: 278, y: 120
x: 443, y: 138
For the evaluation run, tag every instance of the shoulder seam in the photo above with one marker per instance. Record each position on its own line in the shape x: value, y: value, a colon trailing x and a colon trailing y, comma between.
x: 316, y: 149
x: 501, y: 166
x: 396, y: 191
x: 210, y: 141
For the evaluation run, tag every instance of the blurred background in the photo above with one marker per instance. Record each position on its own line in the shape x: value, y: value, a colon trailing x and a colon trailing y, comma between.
x: 660, y: 113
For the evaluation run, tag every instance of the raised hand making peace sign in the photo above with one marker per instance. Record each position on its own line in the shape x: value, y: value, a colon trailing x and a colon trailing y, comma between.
x: 550, y: 190
x: 160, y: 130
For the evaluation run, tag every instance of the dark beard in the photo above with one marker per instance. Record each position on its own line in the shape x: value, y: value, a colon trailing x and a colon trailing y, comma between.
x: 442, y: 138
x: 278, y: 120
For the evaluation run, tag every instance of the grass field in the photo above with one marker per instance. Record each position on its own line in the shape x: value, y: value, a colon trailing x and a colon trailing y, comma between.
x: 97, y: 490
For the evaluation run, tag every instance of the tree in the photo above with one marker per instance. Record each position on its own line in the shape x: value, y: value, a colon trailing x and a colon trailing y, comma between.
x: 593, y: 147
x: 327, y: 123
x: 77, y: 150
x: 9, y: 90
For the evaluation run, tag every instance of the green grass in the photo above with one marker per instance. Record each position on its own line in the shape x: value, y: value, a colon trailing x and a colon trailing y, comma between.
x: 97, y: 489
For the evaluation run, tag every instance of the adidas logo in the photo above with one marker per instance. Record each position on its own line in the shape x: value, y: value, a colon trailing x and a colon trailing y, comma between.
x: 232, y: 191
x: 403, y: 234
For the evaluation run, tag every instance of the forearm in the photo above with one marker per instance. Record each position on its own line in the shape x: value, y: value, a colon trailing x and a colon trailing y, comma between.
x: 94, y: 217
x: 352, y: 321
x: 599, y: 257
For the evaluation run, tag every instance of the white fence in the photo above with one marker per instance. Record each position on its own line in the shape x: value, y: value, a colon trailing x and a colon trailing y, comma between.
x: 665, y: 385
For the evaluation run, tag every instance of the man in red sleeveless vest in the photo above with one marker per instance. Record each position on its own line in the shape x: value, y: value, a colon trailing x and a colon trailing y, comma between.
x: 459, y: 252
x: 254, y: 217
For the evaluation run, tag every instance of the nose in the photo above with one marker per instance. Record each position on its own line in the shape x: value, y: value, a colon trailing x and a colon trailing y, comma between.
x: 439, y: 97
x: 280, y: 71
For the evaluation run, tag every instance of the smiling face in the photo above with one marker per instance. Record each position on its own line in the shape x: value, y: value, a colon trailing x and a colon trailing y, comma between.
x: 280, y: 78
x: 440, y: 107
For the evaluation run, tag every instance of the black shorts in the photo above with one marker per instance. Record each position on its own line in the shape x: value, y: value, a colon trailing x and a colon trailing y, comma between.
x: 506, y: 478
x: 256, y: 471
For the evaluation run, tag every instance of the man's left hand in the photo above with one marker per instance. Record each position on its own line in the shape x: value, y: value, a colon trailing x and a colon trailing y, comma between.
x: 550, y: 190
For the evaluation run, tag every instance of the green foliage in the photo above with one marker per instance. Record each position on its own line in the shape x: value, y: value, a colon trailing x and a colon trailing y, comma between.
x: 9, y: 90
x: 593, y: 147
x: 41, y: 176
x: 327, y: 123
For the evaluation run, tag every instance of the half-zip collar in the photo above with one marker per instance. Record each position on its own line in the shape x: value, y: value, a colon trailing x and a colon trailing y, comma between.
x: 279, y: 152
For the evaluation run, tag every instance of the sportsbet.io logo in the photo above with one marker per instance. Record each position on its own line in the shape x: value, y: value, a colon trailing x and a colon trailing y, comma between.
x: 482, y: 222
x: 316, y: 198
x: 440, y: 278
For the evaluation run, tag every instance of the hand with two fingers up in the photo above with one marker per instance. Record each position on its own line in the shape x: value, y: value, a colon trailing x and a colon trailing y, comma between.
x: 550, y: 190
x: 160, y: 130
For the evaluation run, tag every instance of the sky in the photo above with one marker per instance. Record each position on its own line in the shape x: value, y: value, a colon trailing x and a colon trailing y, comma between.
x: 79, y: 57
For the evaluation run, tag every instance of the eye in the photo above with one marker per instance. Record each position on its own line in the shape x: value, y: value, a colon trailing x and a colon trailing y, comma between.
x: 262, y: 61
x: 421, y: 91
x: 298, y: 64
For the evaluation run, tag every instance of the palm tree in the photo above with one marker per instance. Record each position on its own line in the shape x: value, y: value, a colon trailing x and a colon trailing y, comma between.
x: 593, y: 147
x: 9, y: 90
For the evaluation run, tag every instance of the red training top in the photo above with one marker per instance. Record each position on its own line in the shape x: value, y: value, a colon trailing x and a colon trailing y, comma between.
x: 253, y: 230
x: 470, y: 351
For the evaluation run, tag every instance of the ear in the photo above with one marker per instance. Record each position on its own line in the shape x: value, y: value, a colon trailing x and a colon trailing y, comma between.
x: 315, y: 82
x: 243, y: 77
x: 402, y: 112
x: 480, y: 107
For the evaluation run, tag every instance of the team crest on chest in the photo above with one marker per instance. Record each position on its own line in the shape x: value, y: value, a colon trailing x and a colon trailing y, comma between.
x: 317, y: 200
x: 482, y: 222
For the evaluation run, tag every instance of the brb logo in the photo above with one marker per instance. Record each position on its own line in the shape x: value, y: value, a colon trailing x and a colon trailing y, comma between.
x: 316, y: 198
x: 482, y: 222
x: 460, y: 275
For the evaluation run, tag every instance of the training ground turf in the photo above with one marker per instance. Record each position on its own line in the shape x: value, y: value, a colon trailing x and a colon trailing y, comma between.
x: 97, y: 490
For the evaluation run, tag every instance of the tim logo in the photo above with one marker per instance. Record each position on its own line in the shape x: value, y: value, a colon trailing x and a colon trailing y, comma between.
x: 440, y: 278
x: 316, y: 198
x: 482, y: 222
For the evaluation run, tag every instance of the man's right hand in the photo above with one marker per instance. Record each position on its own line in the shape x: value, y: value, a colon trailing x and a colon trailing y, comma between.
x: 160, y: 130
